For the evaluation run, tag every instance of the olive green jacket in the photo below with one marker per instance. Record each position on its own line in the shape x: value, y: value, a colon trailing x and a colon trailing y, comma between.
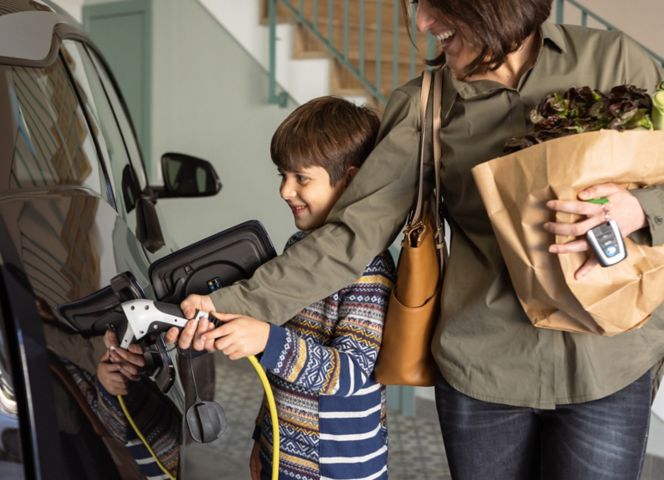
x: 484, y: 344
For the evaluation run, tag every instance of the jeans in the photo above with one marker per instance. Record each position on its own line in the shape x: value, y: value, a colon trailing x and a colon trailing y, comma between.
x: 598, y: 440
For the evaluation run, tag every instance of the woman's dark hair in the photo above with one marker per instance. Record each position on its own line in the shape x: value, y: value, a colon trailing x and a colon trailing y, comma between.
x: 328, y: 132
x: 499, y: 27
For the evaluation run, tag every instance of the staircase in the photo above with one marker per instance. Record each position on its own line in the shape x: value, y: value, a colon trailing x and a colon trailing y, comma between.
x: 369, y: 46
x: 371, y: 51
x: 359, y: 49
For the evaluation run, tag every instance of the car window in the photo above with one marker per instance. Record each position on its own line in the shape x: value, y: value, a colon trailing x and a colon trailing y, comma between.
x: 122, y: 119
x: 109, y: 136
x: 11, y: 459
x: 54, y: 146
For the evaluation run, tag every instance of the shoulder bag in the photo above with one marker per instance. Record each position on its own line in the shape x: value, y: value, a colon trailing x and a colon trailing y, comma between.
x: 405, y: 354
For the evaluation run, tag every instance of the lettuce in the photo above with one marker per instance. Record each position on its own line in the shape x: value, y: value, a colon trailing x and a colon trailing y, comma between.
x: 584, y: 109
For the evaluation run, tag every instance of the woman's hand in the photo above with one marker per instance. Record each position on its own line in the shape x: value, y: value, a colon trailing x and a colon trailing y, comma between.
x: 622, y: 206
x: 255, y: 462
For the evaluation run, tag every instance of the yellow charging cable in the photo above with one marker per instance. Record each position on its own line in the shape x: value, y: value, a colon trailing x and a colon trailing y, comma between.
x: 142, y: 438
x: 273, y: 414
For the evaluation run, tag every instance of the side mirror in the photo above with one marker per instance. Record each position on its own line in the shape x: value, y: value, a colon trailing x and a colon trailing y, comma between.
x: 187, y: 176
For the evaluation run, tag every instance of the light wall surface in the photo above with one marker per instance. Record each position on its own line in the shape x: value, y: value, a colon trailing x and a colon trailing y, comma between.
x: 209, y: 99
x: 642, y: 19
x: 73, y: 7
x: 213, y: 105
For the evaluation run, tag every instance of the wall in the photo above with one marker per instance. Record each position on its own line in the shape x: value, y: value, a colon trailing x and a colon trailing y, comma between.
x: 210, y: 100
x: 73, y: 7
x: 642, y: 19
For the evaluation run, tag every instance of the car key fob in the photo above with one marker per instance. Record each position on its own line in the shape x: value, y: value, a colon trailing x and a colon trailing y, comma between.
x: 607, y: 243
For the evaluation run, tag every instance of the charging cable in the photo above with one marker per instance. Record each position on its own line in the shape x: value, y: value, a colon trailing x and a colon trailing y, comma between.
x: 273, y: 415
x: 138, y: 433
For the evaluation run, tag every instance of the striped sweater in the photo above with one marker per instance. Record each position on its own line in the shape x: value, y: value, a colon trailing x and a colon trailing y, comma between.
x: 156, y: 417
x: 320, y: 364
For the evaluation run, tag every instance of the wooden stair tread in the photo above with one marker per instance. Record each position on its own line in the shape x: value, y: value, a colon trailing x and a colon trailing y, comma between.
x: 342, y: 81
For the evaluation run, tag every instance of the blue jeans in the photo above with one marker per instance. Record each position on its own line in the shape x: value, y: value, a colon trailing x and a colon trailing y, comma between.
x: 599, y: 440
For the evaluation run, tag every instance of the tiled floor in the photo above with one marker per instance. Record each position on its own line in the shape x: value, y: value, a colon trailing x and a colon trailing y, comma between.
x: 415, y: 443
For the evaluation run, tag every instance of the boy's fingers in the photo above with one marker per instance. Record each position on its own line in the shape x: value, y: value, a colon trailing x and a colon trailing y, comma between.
x: 132, y: 358
x: 187, y: 334
x: 116, y: 377
x: 224, y: 317
x: 217, y: 332
x: 223, y: 343
x: 112, y: 368
x: 130, y: 369
x: 236, y: 355
x: 171, y: 335
x: 110, y: 339
x: 203, y: 326
x: 209, y: 345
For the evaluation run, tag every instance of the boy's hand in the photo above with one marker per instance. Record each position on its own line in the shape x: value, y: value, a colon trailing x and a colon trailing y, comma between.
x: 189, y: 306
x: 118, y: 365
x: 110, y: 377
x: 239, y: 337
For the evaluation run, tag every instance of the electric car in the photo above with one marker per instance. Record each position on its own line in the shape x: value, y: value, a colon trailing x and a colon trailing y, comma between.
x: 79, y: 234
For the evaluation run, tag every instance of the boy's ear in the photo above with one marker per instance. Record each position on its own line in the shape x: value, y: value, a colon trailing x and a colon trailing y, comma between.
x: 351, y: 172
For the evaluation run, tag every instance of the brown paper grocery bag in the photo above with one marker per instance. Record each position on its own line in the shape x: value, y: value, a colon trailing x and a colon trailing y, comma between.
x: 514, y: 189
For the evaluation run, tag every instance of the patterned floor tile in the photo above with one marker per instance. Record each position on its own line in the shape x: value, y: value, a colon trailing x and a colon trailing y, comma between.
x: 415, y: 444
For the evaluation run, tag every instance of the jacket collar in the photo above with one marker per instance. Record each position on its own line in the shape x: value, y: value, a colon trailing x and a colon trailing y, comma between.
x: 551, y: 39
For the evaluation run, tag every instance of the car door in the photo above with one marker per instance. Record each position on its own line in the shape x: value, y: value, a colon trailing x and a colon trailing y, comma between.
x: 60, y: 228
x: 201, y: 268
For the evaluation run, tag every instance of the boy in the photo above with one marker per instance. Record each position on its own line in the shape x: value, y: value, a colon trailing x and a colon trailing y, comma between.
x: 320, y: 363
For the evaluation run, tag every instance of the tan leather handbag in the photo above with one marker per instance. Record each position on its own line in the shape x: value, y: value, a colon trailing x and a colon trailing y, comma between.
x: 405, y: 353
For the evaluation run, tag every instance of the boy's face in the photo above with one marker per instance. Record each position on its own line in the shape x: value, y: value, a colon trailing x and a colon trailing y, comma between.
x: 309, y: 195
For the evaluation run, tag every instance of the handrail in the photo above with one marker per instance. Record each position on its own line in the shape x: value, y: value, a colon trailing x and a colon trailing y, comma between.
x: 588, y: 14
x: 323, y: 26
x: 280, y: 98
x: 357, y: 67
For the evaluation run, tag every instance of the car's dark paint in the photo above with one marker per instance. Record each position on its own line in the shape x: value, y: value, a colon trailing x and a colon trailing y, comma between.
x: 61, y: 242
x: 27, y: 353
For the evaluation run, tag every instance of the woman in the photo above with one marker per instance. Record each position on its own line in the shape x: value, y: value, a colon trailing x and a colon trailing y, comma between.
x: 514, y: 401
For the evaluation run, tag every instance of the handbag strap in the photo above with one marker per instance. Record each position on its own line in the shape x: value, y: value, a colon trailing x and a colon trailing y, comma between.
x: 424, y: 101
x: 437, y: 153
x: 439, y: 234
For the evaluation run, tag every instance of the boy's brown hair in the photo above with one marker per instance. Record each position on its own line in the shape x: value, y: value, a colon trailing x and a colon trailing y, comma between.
x: 328, y: 132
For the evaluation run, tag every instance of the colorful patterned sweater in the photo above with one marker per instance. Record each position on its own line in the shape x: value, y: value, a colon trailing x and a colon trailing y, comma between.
x: 156, y: 417
x: 320, y: 364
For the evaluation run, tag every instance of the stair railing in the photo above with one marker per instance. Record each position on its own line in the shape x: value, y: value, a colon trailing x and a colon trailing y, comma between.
x: 306, y: 13
x: 586, y: 15
x: 337, y: 16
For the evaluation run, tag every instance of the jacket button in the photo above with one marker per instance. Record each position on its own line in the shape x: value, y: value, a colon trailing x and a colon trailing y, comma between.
x: 658, y: 220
